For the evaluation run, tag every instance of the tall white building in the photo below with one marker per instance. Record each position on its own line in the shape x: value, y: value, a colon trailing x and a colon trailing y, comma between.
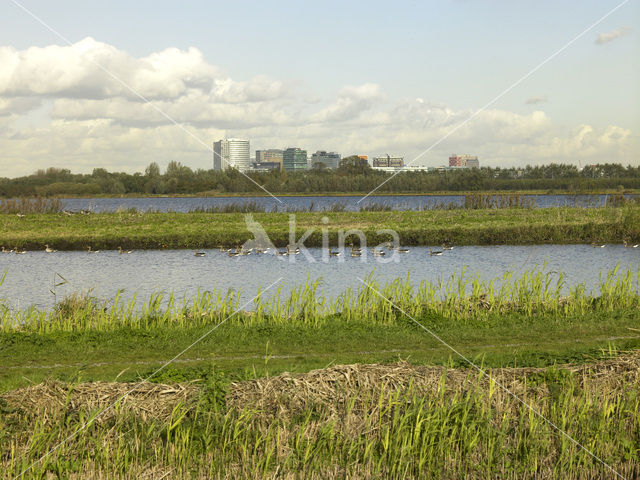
x: 231, y: 153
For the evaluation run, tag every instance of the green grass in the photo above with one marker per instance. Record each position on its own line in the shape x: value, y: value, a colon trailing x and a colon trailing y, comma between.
x: 521, y: 321
x: 246, y: 423
x: 199, y: 230
x: 452, y: 424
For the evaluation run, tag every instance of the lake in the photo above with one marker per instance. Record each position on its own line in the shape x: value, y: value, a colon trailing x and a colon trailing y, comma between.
x: 31, y: 278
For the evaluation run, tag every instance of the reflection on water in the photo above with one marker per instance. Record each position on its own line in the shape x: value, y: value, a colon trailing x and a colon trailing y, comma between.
x: 31, y: 277
x: 318, y: 203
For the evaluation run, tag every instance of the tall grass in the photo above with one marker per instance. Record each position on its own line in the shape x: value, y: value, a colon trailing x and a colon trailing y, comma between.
x: 30, y: 205
x: 477, y: 431
x: 477, y: 201
x: 459, y: 297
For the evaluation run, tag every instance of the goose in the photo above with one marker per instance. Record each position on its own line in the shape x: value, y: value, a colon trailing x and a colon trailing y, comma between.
x: 18, y: 251
x: 49, y: 249
x: 91, y: 251
x: 292, y: 251
x: 594, y: 245
x: 431, y: 252
x: 446, y: 247
x: 121, y: 251
x: 4, y: 250
x: 20, y: 215
x: 334, y: 254
x: 626, y: 245
x: 199, y: 254
x: 356, y: 253
x: 378, y: 253
x: 401, y: 250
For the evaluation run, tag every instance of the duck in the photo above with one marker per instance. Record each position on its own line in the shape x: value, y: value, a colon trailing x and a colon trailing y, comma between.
x: 292, y: 251
x: 18, y: 251
x: 91, y: 251
x: 626, y: 245
x: 49, y: 249
x: 20, y: 215
x: 356, y: 253
x: 378, y: 253
x: 334, y: 253
x: 199, y: 254
x: 594, y: 245
x: 401, y: 250
x: 121, y: 251
x: 432, y: 253
x: 4, y: 250
x: 447, y: 247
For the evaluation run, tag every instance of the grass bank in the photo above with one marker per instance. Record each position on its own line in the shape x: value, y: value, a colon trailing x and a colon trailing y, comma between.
x: 388, y: 400
x: 202, y: 230
x: 393, y: 421
x: 524, y: 321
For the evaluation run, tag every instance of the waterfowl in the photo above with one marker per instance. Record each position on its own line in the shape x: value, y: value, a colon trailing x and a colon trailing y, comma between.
x: 594, y: 245
x: 378, y: 253
x: 356, y: 253
x: 121, y: 251
x: 334, y: 254
x: 401, y: 250
x: 49, y: 249
x: 91, y: 251
x: 20, y: 215
x: 431, y: 252
x: 199, y: 254
x: 18, y: 251
x: 446, y: 247
x: 626, y: 245
x: 292, y: 251
x: 4, y: 250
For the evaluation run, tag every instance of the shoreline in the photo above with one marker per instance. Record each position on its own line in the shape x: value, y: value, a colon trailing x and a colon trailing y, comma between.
x: 508, y: 226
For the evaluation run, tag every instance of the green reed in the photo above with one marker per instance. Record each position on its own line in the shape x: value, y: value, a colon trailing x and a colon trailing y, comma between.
x: 458, y: 297
x: 475, y: 430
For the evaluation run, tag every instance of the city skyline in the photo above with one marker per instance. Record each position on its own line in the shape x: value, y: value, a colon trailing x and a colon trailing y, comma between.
x: 351, y: 91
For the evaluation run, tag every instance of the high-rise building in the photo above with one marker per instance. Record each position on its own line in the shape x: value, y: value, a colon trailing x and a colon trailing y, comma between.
x: 328, y: 159
x: 469, y: 161
x: 294, y: 159
x: 231, y: 153
x: 388, y: 161
x: 269, y: 156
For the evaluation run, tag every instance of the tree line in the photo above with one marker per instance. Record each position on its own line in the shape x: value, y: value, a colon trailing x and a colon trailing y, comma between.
x: 353, y: 175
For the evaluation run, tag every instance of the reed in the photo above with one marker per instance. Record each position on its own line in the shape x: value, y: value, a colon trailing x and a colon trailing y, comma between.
x: 30, y: 205
x: 355, y: 421
x: 456, y: 298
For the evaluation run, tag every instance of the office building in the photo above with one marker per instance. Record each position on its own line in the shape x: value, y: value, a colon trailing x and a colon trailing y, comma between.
x: 231, y: 153
x: 269, y: 156
x: 469, y: 161
x: 388, y: 161
x: 328, y: 159
x: 294, y: 159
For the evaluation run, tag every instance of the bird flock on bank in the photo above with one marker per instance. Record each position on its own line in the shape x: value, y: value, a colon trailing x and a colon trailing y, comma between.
x: 379, y: 251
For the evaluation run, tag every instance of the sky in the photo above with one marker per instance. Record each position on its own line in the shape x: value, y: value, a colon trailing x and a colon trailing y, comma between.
x: 118, y: 85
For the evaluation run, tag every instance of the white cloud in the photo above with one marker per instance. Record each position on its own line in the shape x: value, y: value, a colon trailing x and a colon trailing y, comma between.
x: 612, y: 35
x: 352, y: 101
x: 58, y: 108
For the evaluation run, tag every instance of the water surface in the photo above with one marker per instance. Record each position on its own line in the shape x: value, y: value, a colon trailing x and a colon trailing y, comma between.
x: 31, y: 277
